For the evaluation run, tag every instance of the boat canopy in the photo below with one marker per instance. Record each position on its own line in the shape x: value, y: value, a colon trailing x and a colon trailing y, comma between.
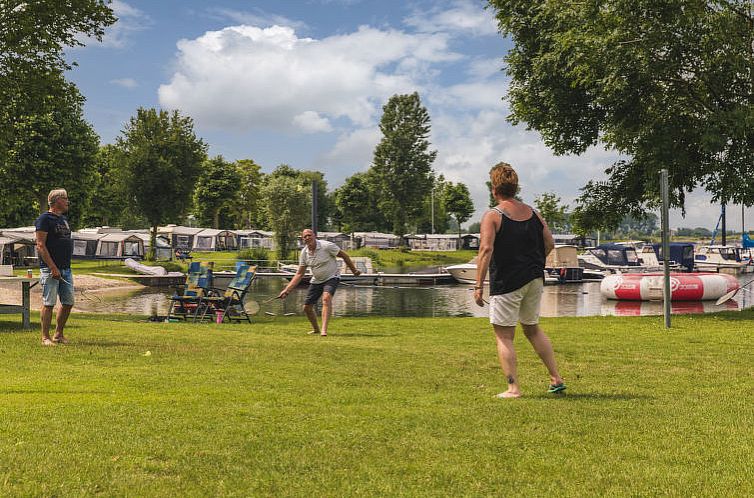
x: 616, y: 255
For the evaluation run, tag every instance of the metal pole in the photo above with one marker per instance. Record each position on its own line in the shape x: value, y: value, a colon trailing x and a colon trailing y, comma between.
x: 314, y: 206
x: 725, y: 229
x: 665, y: 246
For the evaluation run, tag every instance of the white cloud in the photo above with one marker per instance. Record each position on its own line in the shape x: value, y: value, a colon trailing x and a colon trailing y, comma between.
x: 464, y: 16
x: 245, y: 77
x: 256, y: 18
x: 353, y: 149
x: 125, y: 82
x: 130, y: 20
x: 312, y: 122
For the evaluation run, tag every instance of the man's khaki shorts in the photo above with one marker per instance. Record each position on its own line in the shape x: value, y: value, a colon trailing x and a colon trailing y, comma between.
x: 521, y: 305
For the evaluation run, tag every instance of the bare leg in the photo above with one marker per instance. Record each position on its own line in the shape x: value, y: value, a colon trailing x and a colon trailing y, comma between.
x: 326, y: 310
x: 507, y: 354
x: 45, y: 315
x: 543, y: 347
x: 312, y: 316
x: 62, y: 317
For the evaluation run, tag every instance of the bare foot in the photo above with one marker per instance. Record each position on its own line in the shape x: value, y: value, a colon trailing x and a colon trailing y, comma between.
x: 508, y: 395
x: 312, y: 332
x: 46, y: 341
x: 59, y: 339
x: 324, y: 334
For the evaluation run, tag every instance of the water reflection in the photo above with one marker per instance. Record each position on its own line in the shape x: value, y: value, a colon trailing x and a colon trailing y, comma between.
x: 448, y: 300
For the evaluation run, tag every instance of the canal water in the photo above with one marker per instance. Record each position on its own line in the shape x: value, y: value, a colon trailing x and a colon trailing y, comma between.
x: 445, y: 300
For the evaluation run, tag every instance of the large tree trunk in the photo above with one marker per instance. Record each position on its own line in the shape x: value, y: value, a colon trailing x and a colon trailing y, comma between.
x: 216, y: 220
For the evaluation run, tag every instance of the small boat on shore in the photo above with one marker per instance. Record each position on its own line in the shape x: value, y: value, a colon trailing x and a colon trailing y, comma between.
x: 683, y: 286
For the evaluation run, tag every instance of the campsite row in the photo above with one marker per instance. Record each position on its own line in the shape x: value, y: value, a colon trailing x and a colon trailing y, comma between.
x: 17, y: 245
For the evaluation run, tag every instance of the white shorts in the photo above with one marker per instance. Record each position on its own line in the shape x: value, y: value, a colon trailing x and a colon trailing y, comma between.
x: 506, y: 310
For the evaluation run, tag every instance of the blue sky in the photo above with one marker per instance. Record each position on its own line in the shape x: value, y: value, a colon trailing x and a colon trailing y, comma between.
x: 302, y: 82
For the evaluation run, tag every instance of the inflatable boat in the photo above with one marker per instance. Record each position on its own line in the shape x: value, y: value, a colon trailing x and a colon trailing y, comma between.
x: 683, y: 286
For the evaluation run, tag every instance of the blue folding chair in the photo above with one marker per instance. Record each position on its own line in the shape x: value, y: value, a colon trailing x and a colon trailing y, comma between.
x: 198, y: 284
x: 230, y: 304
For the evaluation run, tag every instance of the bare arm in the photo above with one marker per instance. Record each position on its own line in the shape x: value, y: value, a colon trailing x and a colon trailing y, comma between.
x: 490, y: 226
x: 547, y: 235
x: 293, y: 283
x: 349, y: 262
x: 41, y: 239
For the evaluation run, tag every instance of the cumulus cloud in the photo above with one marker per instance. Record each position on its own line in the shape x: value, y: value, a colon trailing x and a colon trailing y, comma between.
x: 245, y: 77
x: 464, y: 16
x: 312, y: 122
x: 125, y: 82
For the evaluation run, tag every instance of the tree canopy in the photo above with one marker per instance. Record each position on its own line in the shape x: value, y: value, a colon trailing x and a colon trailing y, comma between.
x: 287, y: 201
x: 216, y: 190
x: 162, y: 159
x: 667, y: 84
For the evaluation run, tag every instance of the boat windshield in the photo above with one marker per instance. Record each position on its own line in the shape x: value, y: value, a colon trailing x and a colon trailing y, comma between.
x: 632, y: 257
x: 729, y: 253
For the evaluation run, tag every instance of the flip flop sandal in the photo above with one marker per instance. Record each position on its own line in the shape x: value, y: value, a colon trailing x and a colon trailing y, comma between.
x: 556, y: 388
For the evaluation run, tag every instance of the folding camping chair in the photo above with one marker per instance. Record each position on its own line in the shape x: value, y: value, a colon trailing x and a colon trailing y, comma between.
x: 189, y: 303
x: 230, y: 304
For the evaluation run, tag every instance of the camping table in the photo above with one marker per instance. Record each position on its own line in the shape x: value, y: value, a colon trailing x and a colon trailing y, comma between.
x: 23, y: 308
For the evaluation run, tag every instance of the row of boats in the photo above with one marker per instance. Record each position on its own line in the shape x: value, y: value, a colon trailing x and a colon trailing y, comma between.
x: 564, y: 264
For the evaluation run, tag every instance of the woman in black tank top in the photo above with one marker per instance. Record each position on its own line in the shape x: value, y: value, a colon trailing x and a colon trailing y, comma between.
x: 515, y: 241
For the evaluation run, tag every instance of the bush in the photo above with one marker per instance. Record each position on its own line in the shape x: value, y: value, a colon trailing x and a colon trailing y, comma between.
x: 257, y: 255
x: 171, y: 266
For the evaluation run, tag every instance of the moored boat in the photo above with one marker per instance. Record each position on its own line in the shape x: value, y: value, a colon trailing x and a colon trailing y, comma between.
x: 683, y: 286
x: 724, y: 259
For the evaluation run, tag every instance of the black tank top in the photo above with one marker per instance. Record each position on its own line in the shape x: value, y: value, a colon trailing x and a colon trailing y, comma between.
x: 518, y: 256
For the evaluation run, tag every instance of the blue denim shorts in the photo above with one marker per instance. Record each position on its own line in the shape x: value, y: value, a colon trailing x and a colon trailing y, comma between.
x: 52, y: 289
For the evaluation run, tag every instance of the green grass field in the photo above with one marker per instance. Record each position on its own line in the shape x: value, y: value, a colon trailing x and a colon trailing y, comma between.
x: 390, y: 407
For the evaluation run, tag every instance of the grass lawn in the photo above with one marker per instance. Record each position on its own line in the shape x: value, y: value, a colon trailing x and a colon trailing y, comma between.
x: 391, y: 407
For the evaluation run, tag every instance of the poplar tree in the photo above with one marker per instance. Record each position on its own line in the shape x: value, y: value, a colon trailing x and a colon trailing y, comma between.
x: 402, y: 164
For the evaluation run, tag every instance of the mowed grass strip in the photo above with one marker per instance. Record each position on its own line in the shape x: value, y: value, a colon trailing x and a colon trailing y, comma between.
x: 384, y: 406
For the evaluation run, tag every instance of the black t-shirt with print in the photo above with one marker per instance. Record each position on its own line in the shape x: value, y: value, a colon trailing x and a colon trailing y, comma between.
x: 59, y: 242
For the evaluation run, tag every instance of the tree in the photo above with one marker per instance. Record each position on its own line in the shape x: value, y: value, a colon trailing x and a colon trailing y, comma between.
x: 32, y: 38
x: 666, y: 84
x: 48, y: 144
x: 549, y: 206
x: 458, y: 203
x: 162, y: 159
x: 216, y: 190
x: 288, y: 205
x: 402, y: 164
x: 108, y: 197
x: 356, y: 203
x: 249, y: 211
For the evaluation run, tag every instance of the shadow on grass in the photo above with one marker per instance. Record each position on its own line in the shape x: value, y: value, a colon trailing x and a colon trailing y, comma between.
x: 590, y: 397
x: 361, y: 334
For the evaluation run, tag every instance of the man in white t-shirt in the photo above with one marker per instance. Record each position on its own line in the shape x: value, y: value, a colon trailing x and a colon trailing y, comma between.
x: 320, y: 256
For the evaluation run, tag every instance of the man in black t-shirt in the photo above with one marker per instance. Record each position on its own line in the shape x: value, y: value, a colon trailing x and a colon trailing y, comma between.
x: 54, y: 247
